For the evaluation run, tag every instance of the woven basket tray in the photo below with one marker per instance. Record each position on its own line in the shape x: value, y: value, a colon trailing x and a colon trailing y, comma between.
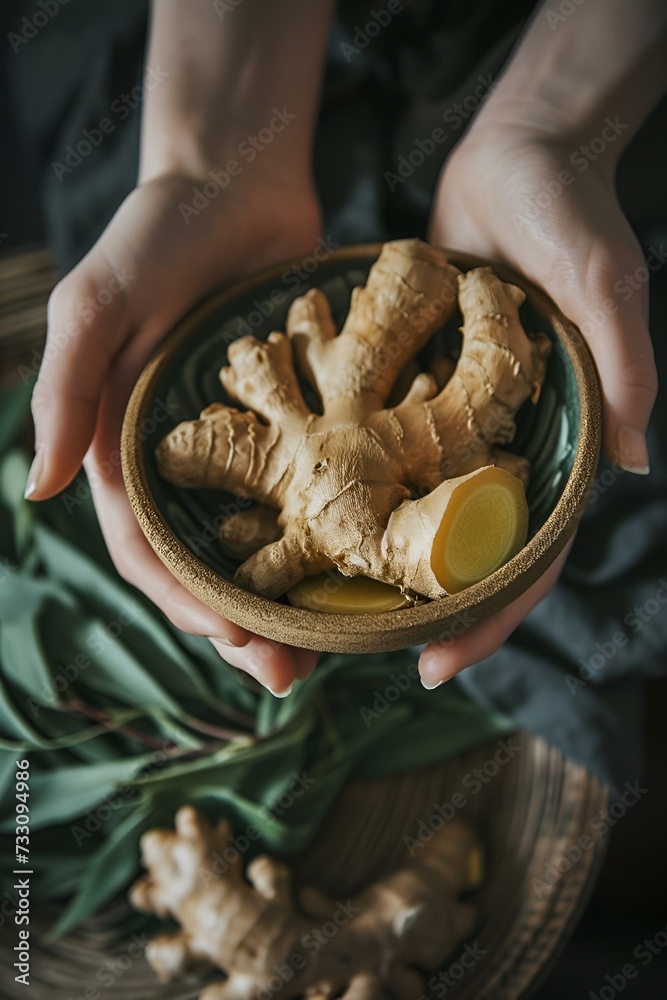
x: 528, y: 814
x: 26, y: 280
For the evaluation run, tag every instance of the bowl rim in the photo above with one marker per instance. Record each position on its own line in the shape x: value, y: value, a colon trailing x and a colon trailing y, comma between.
x: 237, y: 604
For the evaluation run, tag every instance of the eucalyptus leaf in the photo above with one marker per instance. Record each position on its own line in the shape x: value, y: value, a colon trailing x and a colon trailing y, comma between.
x: 7, y: 775
x: 114, y: 601
x: 23, y: 595
x: 24, y: 659
x: 115, y: 672
x: 14, y: 725
x: 14, y: 407
x: 13, y: 475
x: 61, y: 859
x: 61, y: 795
x: 60, y: 875
x: 230, y: 684
x: 173, y: 731
x: 110, y: 871
x: 428, y: 739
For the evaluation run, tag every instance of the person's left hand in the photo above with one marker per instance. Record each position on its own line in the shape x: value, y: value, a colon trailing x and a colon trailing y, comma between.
x: 500, y: 196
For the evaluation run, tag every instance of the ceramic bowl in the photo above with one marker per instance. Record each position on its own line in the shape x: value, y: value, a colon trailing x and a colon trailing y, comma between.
x: 560, y: 435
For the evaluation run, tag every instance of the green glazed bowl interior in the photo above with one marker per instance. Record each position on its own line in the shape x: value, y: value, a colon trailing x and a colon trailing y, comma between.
x: 560, y: 435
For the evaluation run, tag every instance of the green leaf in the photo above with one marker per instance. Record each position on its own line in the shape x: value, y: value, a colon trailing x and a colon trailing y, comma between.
x: 24, y: 660
x: 23, y: 595
x: 144, y: 632
x: 429, y: 739
x: 116, y: 673
x: 13, y: 723
x: 13, y: 475
x: 14, y: 409
x: 7, y: 772
x: 60, y: 860
x: 110, y: 871
x: 173, y: 731
x: 65, y: 794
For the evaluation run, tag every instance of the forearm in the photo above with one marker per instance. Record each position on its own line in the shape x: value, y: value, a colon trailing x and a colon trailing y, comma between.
x: 606, y: 58
x: 229, y: 66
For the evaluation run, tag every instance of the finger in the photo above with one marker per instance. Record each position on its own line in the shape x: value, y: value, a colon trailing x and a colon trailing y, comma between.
x: 140, y: 566
x: 441, y: 660
x: 140, y: 253
x: 275, y: 665
x: 607, y: 298
x: 132, y: 555
x: 583, y: 252
x: 87, y: 323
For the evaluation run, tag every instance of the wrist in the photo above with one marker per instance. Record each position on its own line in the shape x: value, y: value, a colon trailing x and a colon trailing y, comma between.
x: 520, y: 121
x: 230, y: 149
x: 569, y: 78
x: 541, y: 111
x: 240, y: 88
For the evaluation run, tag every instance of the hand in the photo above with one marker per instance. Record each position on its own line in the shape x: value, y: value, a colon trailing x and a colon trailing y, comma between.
x: 502, y: 195
x: 104, y: 321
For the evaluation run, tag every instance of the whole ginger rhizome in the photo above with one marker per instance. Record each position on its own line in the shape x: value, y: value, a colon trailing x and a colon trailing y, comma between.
x: 421, y: 495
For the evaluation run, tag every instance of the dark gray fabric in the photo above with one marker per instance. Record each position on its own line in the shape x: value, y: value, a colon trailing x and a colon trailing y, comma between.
x: 62, y: 83
x: 427, y: 68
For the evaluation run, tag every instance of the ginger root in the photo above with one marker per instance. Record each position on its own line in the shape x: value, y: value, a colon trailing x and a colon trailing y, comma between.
x: 383, y: 939
x: 346, y: 595
x: 358, y: 485
x: 241, y: 534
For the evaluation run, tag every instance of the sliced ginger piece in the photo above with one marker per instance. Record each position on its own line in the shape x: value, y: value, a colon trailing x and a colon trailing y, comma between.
x: 458, y: 534
x: 336, y: 594
x: 484, y: 525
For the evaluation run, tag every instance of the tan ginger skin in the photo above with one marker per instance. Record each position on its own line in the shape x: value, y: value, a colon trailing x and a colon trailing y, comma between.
x: 404, y: 924
x: 344, y: 482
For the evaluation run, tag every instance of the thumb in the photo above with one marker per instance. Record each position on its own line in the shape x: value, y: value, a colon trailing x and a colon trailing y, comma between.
x: 86, y: 326
x: 607, y: 298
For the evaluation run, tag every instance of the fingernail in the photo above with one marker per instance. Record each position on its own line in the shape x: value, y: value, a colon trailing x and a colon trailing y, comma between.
x: 221, y: 640
x: 281, y: 694
x: 36, y: 470
x: 431, y: 687
x: 632, y: 453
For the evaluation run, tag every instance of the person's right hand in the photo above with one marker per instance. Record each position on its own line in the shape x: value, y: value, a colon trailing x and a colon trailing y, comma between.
x: 100, y: 336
